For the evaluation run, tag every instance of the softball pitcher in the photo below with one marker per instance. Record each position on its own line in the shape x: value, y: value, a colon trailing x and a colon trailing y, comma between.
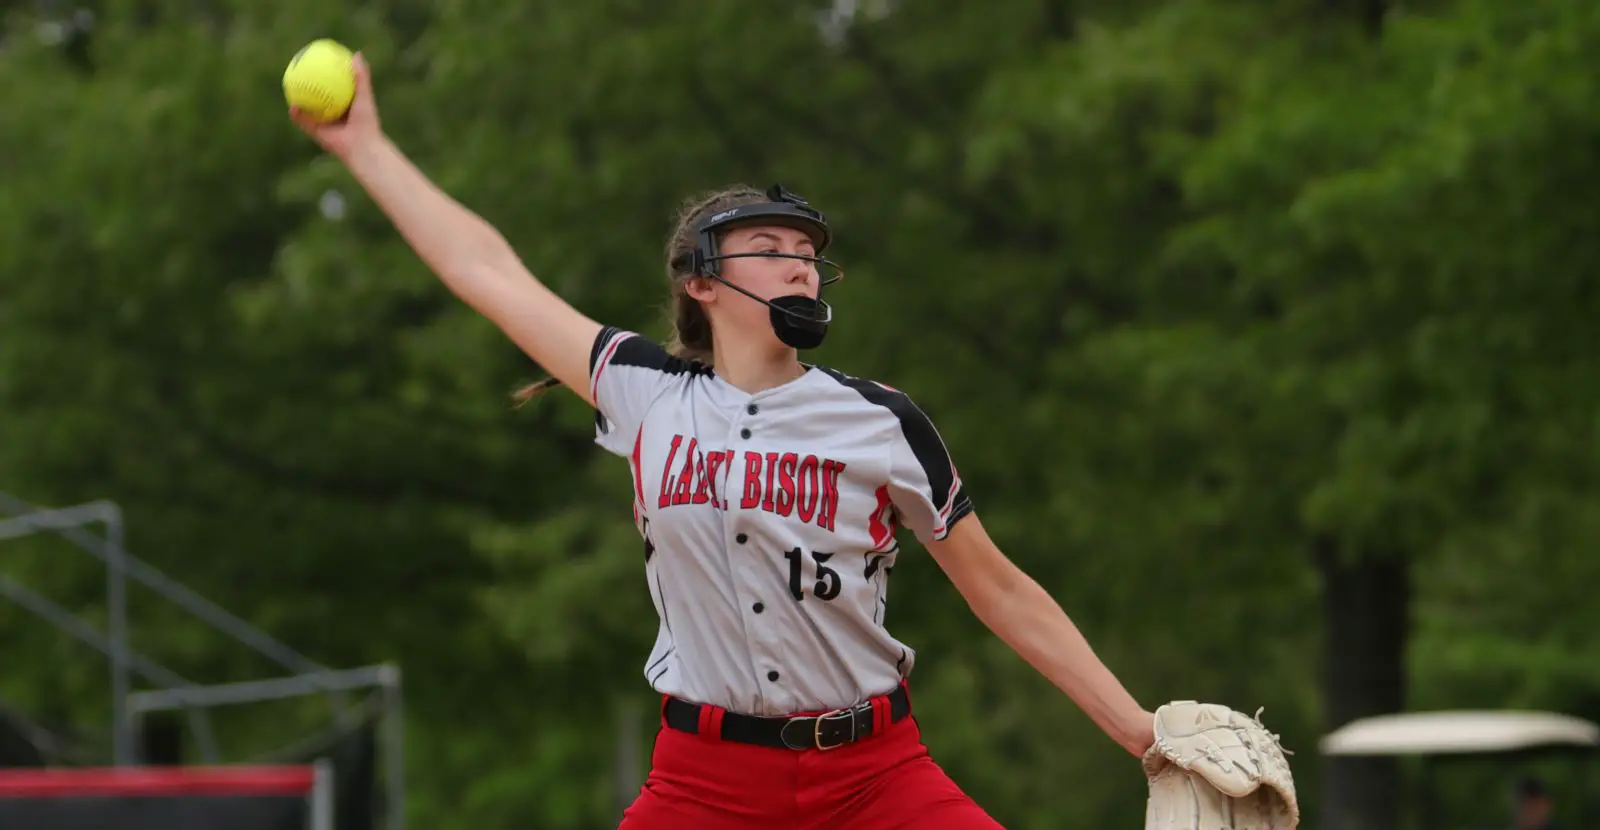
x: 768, y: 493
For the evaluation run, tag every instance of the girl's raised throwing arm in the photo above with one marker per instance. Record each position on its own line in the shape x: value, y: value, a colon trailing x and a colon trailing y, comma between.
x: 468, y: 254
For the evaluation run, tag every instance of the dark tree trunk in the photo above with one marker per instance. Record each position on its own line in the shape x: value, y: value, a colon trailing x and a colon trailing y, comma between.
x: 1366, y: 602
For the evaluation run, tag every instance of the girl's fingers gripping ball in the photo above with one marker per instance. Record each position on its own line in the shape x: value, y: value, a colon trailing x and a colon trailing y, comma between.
x: 320, y: 82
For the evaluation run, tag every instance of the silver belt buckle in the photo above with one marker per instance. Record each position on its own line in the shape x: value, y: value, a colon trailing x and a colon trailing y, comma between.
x: 817, y: 722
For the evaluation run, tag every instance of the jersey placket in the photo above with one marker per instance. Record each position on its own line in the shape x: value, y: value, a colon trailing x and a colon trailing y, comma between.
x: 747, y: 553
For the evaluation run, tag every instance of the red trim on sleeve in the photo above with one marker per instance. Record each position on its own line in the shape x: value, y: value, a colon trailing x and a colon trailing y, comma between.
x: 600, y: 368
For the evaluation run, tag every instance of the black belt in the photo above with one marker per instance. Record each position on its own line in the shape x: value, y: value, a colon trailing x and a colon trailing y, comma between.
x: 829, y: 730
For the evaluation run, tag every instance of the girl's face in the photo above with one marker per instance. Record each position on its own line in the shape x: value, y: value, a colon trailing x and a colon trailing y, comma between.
x: 739, y: 318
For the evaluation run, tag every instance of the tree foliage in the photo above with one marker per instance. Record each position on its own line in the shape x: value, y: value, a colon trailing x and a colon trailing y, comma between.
x: 1196, y: 293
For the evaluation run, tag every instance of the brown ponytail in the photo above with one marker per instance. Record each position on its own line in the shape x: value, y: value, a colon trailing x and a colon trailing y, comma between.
x: 691, y: 328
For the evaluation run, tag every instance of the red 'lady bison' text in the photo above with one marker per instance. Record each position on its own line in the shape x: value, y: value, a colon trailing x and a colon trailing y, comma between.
x: 787, y: 483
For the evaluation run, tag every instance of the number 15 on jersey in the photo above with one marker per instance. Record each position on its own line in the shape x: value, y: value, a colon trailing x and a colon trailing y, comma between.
x: 824, y: 583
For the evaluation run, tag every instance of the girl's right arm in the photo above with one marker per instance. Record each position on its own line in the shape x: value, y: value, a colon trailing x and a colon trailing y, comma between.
x: 477, y: 264
x: 467, y: 253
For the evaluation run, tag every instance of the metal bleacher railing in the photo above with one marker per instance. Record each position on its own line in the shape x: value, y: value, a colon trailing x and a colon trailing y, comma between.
x: 170, y: 690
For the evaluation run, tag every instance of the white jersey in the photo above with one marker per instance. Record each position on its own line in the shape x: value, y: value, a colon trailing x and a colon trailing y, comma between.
x: 769, y: 524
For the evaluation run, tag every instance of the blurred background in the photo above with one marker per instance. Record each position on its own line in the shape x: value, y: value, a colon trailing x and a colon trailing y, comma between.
x: 1264, y: 335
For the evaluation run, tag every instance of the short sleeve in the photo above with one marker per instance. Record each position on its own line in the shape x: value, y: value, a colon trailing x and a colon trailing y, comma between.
x: 924, y: 485
x: 626, y: 375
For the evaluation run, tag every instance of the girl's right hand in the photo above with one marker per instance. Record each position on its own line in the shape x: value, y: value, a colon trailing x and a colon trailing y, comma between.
x: 359, y: 127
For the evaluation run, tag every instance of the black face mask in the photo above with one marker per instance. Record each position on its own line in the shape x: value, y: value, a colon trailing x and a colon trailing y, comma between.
x: 799, y: 322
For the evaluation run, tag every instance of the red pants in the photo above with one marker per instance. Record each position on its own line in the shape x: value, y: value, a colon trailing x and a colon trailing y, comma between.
x: 883, y: 782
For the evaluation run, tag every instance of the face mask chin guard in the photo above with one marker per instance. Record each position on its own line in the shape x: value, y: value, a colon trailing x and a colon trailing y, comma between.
x: 800, y: 322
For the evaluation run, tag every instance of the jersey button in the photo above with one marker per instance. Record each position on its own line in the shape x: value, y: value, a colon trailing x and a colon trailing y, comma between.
x: 744, y: 433
x: 758, y: 607
x: 752, y: 409
x: 741, y: 538
x: 773, y: 676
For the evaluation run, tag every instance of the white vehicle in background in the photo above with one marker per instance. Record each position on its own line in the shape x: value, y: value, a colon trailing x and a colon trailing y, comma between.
x: 1443, y: 741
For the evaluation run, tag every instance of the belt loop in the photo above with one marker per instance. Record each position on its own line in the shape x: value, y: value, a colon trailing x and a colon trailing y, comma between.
x: 880, y: 714
x: 715, y: 722
x: 708, y: 713
x: 665, y: 699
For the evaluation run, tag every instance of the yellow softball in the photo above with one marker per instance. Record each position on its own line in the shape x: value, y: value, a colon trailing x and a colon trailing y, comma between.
x: 320, y: 80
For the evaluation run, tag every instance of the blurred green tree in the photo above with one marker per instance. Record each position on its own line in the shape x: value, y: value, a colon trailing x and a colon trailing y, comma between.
x: 1261, y: 336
